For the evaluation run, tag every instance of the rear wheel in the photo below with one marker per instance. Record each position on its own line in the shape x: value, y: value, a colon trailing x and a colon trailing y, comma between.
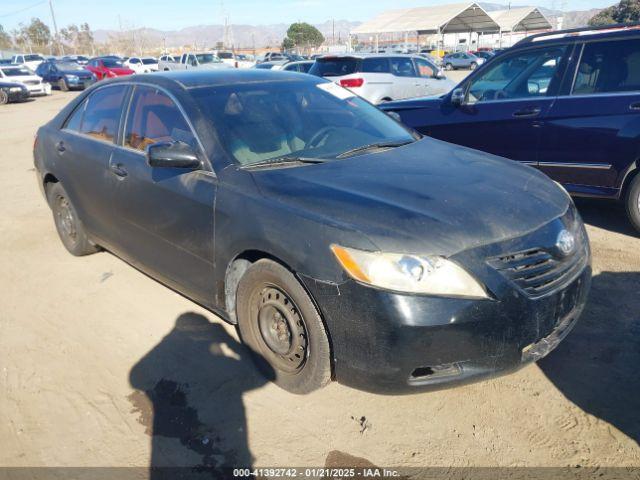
x: 70, y: 229
x: 62, y: 85
x: 632, y: 201
x: 280, y: 324
x: 4, y: 97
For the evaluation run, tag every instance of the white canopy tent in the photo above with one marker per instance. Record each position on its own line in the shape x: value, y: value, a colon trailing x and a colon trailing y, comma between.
x: 437, y: 19
x: 525, y: 19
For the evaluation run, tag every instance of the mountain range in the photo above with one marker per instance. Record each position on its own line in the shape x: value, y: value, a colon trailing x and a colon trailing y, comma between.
x: 248, y: 36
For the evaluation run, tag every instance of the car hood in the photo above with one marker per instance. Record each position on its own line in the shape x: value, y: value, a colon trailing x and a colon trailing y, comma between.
x: 78, y: 73
x: 23, y: 78
x: 429, y: 197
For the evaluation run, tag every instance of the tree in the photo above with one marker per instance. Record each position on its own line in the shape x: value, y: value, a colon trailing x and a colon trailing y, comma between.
x: 38, y: 33
x: 302, y: 35
x: 627, y: 11
x: 5, y: 39
x: 288, y: 44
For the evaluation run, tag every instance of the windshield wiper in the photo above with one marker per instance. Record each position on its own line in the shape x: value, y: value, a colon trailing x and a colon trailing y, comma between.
x: 373, y: 146
x: 283, y: 161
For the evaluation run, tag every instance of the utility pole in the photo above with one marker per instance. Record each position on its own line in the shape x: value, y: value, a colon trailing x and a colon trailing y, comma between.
x: 55, y: 27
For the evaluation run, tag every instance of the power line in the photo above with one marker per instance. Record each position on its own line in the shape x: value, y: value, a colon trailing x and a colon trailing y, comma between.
x: 15, y: 12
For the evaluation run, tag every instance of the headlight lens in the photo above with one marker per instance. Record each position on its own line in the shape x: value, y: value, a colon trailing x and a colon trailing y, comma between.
x: 429, y: 275
x: 15, y: 89
x: 73, y: 78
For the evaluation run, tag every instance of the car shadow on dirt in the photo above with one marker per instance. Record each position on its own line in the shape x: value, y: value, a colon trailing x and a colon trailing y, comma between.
x: 188, y: 395
x: 597, y: 365
x: 606, y: 214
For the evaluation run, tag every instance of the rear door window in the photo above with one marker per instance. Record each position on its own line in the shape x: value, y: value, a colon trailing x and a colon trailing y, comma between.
x: 102, y: 113
x: 335, y: 67
x: 608, y: 67
x: 154, y: 117
x: 375, y: 65
x: 403, y: 67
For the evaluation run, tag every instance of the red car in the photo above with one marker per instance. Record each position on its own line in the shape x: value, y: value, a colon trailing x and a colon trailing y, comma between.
x: 108, y: 67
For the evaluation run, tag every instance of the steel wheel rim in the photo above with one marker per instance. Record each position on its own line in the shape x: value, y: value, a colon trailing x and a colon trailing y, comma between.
x: 282, y: 330
x: 66, y: 219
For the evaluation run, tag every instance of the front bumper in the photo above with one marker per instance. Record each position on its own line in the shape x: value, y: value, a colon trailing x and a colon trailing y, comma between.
x: 393, y: 343
x: 79, y: 82
x: 20, y: 96
x: 38, y: 90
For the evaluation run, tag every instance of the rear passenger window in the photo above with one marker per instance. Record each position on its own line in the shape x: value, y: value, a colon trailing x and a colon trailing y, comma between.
x: 403, y: 67
x: 102, y: 113
x: 75, y: 120
x: 154, y: 117
x: 375, y: 65
x: 607, y: 67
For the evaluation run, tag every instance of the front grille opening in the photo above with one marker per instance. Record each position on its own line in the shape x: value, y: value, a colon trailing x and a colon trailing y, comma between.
x: 422, y: 372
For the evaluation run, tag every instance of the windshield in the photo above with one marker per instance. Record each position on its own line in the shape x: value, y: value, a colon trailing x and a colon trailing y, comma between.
x: 266, y: 121
x: 207, y: 58
x: 149, y: 61
x: 111, y: 63
x: 335, y: 67
x: 16, y: 72
x: 225, y: 55
x: 33, y: 58
x: 69, y: 66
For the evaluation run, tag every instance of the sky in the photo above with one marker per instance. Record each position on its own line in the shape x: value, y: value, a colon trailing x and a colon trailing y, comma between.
x: 172, y: 15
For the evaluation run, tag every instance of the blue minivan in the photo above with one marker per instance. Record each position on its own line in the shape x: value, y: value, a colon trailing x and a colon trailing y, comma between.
x: 567, y: 103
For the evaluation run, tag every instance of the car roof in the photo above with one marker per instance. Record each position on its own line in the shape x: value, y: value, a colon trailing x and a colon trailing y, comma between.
x: 584, y: 33
x: 366, y: 55
x: 195, y: 78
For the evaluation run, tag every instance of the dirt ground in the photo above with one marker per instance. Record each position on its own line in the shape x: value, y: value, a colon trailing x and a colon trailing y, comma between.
x: 96, y: 356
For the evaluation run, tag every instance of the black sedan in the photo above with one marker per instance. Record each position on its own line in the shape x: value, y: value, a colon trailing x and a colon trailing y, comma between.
x: 343, y: 245
x: 12, y: 92
x: 65, y: 75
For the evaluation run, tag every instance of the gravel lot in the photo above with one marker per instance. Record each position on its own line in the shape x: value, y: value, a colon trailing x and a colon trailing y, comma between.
x: 96, y: 357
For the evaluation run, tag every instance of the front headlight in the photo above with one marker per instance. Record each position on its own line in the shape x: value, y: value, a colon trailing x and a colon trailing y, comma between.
x: 15, y: 89
x: 430, y: 275
x: 72, y: 78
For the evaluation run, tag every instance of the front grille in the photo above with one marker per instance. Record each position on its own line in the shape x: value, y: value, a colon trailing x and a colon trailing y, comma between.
x: 537, y: 271
x: 32, y: 82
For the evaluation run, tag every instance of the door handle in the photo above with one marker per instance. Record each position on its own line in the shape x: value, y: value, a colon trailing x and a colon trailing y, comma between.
x: 528, y: 112
x: 60, y: 146
x: 118, y: 169
x: 634, y: 106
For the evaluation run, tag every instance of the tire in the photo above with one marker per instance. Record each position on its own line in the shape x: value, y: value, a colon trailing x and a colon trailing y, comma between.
x: 473, y: 65
x: 448, y: 67
x: 632, y: 202
x: 4, y: 97
x: 62, y: 85
x: 280, y: 324
x: 70, y: 229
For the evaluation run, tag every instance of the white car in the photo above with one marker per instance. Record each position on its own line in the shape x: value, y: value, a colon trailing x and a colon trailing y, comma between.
x: 142, y: 64
x: 29, y: 60
x: 23, y: 75
x: 381, y: 78
x: 236, y: 61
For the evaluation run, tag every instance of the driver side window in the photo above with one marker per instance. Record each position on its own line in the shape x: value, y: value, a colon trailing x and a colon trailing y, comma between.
x: 529, y: 74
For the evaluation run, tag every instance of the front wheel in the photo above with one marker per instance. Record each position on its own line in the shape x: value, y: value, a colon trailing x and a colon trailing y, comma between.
x: 62, y: 85
x: 4, y: 97
x: 474, y: 65
x: 448, y: 67
x: 70, y: 229
x: 632, y: 201
x: 280, y: 324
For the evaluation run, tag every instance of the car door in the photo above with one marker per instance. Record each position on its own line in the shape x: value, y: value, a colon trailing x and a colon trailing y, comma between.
x: 406, y: 83
x: 504, y: 105
x: 164, y: 215
x: 427, y: 77
x: 591, y: 132
x: 83, y: 150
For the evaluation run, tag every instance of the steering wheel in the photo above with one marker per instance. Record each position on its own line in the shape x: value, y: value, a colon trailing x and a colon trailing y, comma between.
x: 319, y: 136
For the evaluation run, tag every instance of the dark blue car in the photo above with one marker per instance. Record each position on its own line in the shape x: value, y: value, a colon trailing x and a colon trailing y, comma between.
x: 567, y: 103
x: 342, y: 244
x: 65, y: 75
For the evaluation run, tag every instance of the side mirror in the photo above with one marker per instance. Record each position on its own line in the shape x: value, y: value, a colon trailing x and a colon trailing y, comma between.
x: 172, y: 155
x: 457, y: 96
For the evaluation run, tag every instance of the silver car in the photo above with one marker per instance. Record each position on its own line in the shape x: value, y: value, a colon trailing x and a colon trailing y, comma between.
x: 380, y: 78
x: 466, y: 60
